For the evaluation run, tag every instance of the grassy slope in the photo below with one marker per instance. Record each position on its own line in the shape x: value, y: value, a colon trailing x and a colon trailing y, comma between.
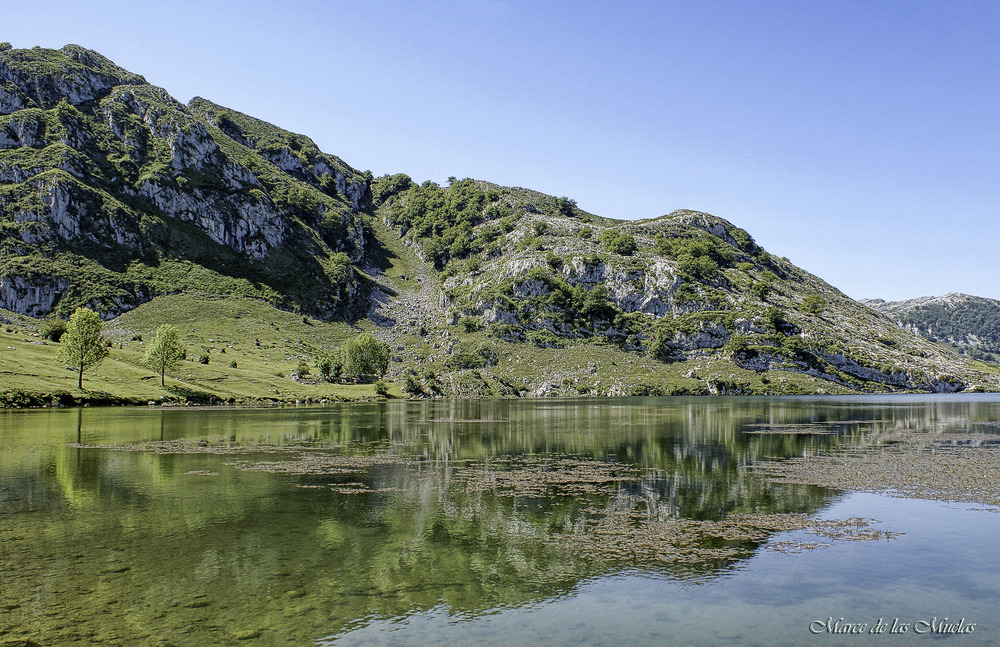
x: 28, y: 364
x: 844, y: 333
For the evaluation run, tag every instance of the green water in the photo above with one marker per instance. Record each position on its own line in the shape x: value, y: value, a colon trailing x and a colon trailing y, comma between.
x: 470, y: 522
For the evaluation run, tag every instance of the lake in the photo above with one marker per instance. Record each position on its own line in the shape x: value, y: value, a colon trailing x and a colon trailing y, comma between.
x: 639, y: 521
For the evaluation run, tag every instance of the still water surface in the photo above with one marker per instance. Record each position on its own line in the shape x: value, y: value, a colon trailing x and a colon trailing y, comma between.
x: 574, y: 522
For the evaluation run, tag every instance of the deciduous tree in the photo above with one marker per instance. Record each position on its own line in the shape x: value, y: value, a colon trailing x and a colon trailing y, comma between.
x: 83, y: 345
x: 164, y: 352
x: 364, y: 356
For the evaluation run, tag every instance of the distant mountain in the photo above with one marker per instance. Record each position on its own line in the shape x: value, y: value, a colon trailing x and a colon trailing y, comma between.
x: 114, y: 195
x: 969, y: 323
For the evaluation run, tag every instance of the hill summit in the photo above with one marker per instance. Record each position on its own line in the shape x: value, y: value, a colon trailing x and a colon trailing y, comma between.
x: 115, y: 196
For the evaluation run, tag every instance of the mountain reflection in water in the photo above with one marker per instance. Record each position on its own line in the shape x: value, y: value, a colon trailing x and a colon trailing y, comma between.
x: 283, y: 526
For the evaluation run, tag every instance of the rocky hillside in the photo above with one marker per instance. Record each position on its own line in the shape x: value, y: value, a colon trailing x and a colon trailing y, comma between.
x: 107, y: 177
x: 969, y: 324
x: 687, y: 289
x: 113, y: 194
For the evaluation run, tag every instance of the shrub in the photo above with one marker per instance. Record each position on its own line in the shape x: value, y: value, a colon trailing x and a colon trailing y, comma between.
x: 469, y: 324
x: 814, y: 304
x: 618, y: 243
x: 411, y: 386
x: 325, y: 367
x: 441, y: 218
x: 364, y: 356
x: 203, y: 358
x: 529, y: 243
x: 775, y: 317
x: 507, y: 224
x: 685, y: 293
x: 698, y: 257
x: 565, y: 206
x: 738, y: 348
x: 761, y: 289
x: 544, y: 339
x: 53, y: 328
x: 662, y: 245
x: 388, y: 186
x: 381, y: 388
x: 468, y: 356
x: 507, y: 332
x: 699, y: 267
x: 661, y: 344
x: 743, y: 240
x: 793, y: 346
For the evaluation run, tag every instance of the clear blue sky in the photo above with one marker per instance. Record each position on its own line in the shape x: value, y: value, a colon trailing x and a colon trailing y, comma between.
x: 859, y: 139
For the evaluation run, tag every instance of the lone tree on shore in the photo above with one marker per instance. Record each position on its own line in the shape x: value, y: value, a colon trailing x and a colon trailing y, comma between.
x: 83, y: 346
x: 164, y: 352
x: 364, y: 356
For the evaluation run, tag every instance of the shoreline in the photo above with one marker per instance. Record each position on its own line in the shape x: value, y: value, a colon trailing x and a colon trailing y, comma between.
x: 16, y: 399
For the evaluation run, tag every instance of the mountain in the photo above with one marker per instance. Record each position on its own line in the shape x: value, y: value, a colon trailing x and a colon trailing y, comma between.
x: 109, y: 178
x: 968, y: 323
x: 115, y: 196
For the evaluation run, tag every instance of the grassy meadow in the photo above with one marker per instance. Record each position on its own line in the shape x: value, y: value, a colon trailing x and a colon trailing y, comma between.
x: 253, y: 350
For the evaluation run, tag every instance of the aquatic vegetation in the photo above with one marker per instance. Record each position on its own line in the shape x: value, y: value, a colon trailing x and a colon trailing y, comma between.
x: 626, y: 532
x: 544, y: 476
x: 944, y: 467
x: 221, y: 526
x: 608, y: 510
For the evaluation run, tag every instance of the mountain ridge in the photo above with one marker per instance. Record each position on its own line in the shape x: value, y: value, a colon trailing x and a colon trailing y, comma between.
x: 968, y: 323
x: 113, y: 195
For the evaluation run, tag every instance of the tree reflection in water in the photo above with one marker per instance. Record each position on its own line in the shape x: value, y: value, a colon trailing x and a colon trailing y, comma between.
x: 289, y: 524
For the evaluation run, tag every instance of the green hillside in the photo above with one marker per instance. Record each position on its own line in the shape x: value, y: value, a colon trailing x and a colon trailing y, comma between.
x: 107, y: 177
x: 266, y: 252
x: 970, y: 325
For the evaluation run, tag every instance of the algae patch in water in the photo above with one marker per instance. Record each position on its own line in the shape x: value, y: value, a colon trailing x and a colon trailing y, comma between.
x: 907, y: 464
x: 627, y: 530
x: 607, y: 511
x: 544, y: 476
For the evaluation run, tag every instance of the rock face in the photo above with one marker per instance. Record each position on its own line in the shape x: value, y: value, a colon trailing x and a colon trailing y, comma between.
x: 108, y: 176
x: 249, y: 227
x: 35, y: 80
x: 33, y: 298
